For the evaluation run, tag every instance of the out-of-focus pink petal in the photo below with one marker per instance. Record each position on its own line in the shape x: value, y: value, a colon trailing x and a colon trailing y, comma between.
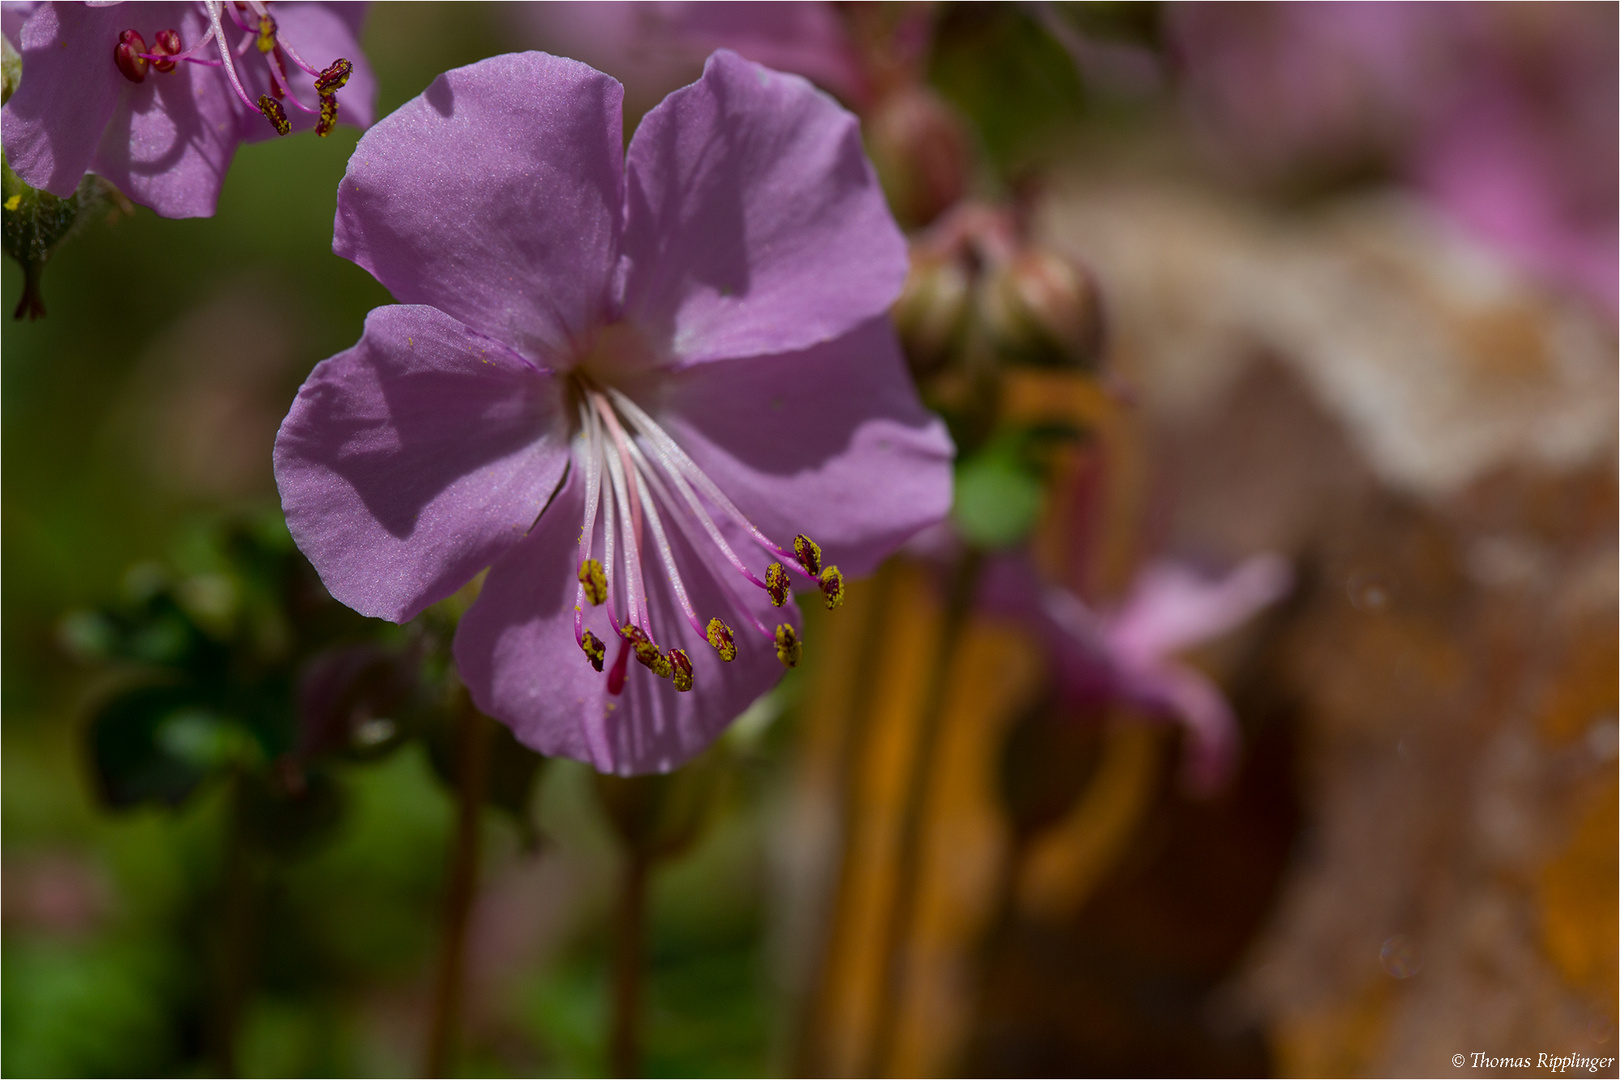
x: 495, y: 196
x: 515, y: 649
x: 70, y: 87
x: 1171, y: 607
x: 807, y: 39
x: 1185, y: 694
x: 755, y: 224
x: 831, y: 442
x: 413, y: 459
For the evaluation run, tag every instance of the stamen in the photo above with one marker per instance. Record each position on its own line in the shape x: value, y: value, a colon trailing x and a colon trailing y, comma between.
x: 665, y: 553
x: 683, y: 669
x: 776, y: 583
x: 218, y: 33
x: 632, y: 540
x: 267, y: 33
x: 674, y: 460
x: 595, y: 651
x: 646, y: 651
x: 167, y: 45
x: 719, y: 635
x: 593, y: 581
x: 808, y: 552
x: 788, y: 648
x: 333, y: 78
x: 329, y: 112
x: 832, y: 587
x: 129, y: 56
x: 686, y: 529
x: 273, y: 112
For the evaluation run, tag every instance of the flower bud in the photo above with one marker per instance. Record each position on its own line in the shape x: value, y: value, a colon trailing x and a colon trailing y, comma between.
x: 921, y: 151
x: 1041, y: 308
x: 931, y: 314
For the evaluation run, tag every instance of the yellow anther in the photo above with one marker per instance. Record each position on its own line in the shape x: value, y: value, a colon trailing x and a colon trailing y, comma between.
x: 595, y: 651
x: 333, y: 78
x: 594, y: 580
x: 788, y: 649
x: 646, y: 652
x: 328, y: 117
x: 719, y: 635
x: 267, y: 33
x: 832, y: 587
x: 273, y: 112
x: 808, y: 552
x: 776, y: 583
x: 683, y: 669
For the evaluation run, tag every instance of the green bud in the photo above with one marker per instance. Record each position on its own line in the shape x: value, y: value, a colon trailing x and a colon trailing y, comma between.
x: 921, y: 151
x: 34, y: 223
x: 931, y: 314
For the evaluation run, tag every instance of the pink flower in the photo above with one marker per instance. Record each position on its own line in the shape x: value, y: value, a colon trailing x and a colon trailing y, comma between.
x: 1129, y: 655
x: 156, y: 96
x: 654, y: 46
x: 1504, y: 115
x: 634, y: 385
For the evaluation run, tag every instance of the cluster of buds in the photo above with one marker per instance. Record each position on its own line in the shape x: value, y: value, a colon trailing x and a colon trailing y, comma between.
x: 978, y: 290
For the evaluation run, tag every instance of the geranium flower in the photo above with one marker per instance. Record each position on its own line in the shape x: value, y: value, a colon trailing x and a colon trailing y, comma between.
x: 1128, y: 655
x: 634, y: 385
x: 156, y: 96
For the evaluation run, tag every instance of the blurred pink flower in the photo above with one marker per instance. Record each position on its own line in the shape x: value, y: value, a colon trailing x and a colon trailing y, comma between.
x: 1128, y: 655
x: 1504, y: 115
x: 654, y: 47
x: 126, y: 91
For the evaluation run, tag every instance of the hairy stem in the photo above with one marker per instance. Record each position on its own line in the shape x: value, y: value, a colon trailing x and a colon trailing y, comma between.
x: 624, y: 1046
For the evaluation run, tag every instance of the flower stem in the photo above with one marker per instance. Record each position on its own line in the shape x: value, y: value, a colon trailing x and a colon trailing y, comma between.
x: 472, y: 761
x: 624, y: 1048
x: 908, y: 875
x: 235, y: 930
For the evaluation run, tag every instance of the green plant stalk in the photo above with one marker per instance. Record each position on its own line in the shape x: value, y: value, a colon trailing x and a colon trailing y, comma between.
x: 472, y: 746
x: 630, y: 929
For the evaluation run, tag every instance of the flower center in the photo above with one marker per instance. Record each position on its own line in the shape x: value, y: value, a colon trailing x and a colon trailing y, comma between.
x: 641, y: 483
x: 256, y: 27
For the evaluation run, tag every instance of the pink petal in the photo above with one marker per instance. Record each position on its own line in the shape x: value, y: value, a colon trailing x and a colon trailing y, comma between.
x: 54, y: 122
x: 1172, y: 608
x: 755, y: 224
x: 413, y: 459
x: 516, y: 651
x: 831, y: 442
x: 1189, y: 696
x: 496, y: 197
